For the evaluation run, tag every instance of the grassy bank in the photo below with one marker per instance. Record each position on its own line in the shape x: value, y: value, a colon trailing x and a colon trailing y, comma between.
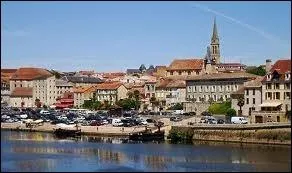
x: 269, y: 136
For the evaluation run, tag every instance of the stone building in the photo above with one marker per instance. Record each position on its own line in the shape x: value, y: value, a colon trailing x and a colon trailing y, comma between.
x: 251, y: 92
x: 5, y: 85
x: 216, y: 87
x: 36, y: 83
x: 276, y: 94
x: 169, y: 92
x: 111, y: 92
x: 83, y: 93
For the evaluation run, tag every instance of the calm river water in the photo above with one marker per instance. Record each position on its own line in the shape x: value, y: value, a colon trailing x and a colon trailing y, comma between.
x: 27, y: 151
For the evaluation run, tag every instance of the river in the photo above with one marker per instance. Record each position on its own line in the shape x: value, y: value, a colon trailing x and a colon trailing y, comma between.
x: 33, y: 151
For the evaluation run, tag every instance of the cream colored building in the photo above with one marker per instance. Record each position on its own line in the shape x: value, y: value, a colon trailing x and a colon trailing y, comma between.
x: 110, y: 91
x: 276, y: 94
x: 217, y: 86
x: 83, y: 93
x: 251, y: 92
x: 170, y: 92
x: 37, y: 83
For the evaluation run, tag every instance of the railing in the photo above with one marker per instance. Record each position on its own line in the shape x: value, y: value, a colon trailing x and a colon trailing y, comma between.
x: 270, y: 112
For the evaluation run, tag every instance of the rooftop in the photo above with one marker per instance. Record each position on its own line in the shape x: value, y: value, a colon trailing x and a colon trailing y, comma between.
x: 31, y: 74
x: 108, y: 85
x: 222, y: 76
x: 282, y: 66
x: 186, y: 64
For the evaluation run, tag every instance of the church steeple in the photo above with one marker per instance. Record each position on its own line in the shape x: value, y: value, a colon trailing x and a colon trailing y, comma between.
x: 215, y: 37
x: 215, y: 45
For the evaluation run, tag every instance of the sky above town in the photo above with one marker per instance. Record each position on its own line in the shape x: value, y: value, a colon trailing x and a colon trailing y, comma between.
x: 114, y: 36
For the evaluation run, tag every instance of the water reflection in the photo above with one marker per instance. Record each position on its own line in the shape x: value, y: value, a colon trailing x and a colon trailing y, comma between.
x: 23, y: 151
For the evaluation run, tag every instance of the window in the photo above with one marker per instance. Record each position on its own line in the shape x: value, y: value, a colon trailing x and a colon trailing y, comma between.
x: 15, y: 85
x: 189, y: 73
x: 277, y: 95
x: 253, y: 101
x: 253, y: 92
x: 247, y: 92
x: 269, y: 86
x: 287, y: 95
x: 247, y: 101
x: 20, y: 85
x: 277, y: 86
x: 179, y: 73
x: 197, y: 72
x: 171, y: 73
x: 287, y: 85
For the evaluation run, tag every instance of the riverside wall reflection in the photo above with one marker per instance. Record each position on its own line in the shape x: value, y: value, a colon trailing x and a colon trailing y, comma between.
x: 24, y: 151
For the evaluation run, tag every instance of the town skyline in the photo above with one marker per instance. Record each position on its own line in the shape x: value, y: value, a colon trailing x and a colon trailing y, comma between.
x: 103, y: 41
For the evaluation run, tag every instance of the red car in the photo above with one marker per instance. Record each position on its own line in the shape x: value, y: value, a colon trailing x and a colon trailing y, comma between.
x: 96, y: 123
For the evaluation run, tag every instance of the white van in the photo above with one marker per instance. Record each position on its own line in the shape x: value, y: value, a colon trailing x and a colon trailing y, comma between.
x: 117, y: 122
x: 238, y: 120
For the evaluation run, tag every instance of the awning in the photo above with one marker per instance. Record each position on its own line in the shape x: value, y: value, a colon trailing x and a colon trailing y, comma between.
x: 270, y: 104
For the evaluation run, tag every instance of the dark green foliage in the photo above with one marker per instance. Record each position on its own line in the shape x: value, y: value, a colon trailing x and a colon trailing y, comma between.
x: 91, y: 104
x: 128, y: 104
x: 219, y: 108
x: 230, y: 112
x: 256, y: 70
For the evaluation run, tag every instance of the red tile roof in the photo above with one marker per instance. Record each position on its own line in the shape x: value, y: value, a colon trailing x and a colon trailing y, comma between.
x: 22, y: 92
x: 186, y: 64
x: 282, y: 66
x: 6, y: 74
x: 84, y: 89
x: 108, y: 85
x: 8, y: 70
x: 30, y: 74
x: 169, y: 83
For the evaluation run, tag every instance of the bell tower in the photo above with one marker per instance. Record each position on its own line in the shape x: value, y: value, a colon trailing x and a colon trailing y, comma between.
x: 215, y: 45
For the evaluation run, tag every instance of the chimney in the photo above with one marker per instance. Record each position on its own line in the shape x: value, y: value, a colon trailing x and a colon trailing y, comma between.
x: 268, y: 65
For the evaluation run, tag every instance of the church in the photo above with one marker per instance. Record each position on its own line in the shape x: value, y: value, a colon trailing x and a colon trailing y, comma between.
x: 211, y: 63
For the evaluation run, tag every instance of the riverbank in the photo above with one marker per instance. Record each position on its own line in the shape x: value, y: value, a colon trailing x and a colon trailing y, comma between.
x: 266, y: 134
x: 105, y: 130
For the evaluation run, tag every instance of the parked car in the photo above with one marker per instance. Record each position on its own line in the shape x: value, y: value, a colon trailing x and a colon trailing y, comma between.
x: 95, y: 123
x: 220, y: 121
x: 175, y: 119
x: 238, y: 120
x: 211, y: 120
x: 117, y: 122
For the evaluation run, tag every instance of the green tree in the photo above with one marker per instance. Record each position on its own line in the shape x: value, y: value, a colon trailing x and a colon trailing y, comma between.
x: 177, y: 106
x: 240, y: 103
x: 230, y: 112
x: 45, y: 106
x: 37, y: 103
x: 87, y: 104
x: 256, y: 70
x: 130, y: 94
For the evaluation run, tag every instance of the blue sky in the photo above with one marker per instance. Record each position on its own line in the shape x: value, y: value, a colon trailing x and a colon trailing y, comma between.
x: 114, y: 36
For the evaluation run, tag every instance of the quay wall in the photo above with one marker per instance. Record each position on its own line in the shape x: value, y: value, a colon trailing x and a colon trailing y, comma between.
x: 105, y: 130
x: 265, y: 134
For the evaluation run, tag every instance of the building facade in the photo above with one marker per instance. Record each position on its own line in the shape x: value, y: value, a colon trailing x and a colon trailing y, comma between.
x: 170, y: 92
x: 111, y: 92
x: 36, y: 80
x: 214, y: 87
x: 251, y: 92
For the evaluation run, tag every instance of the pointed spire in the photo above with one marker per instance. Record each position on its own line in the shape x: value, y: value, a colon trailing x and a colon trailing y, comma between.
x: 215, y: 33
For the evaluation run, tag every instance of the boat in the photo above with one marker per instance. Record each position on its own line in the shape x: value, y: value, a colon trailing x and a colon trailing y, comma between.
x: 67, y: 132
x: 147, y: 136
x: 64, y: 130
